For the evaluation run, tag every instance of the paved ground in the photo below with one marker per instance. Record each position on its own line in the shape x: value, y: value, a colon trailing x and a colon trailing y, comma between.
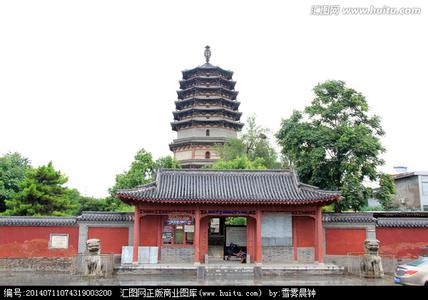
x: 33, y: 278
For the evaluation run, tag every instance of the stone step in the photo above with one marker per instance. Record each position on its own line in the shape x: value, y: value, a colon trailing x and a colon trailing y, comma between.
x: 230, y: 270
x: 233, y: 271
x: 217, y: 259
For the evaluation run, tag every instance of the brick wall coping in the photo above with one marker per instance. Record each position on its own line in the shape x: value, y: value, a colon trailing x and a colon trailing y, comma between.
x: 380, y: 219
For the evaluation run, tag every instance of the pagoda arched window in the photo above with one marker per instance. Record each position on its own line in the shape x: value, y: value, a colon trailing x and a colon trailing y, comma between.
x: 207, y: 155
x: 207, y: 133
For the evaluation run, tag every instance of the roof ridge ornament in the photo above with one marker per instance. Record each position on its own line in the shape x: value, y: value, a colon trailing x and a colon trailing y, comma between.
x: 207, y: 54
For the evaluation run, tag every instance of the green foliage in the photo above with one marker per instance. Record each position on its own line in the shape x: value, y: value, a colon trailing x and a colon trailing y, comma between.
x: 354, y: 193
x: 83, y: 203
x: 236, y: 221
x: 167, y: 162
x: 240, y: 162
x: 250, y: 151
x: 42, y: 194
x: 386, y: 191
x: 93, y: 204
x: 40, y: 191
x: 334, y: 144
x: 376, y: 208
x: 115, y: 204
x: 104, y: 204
x: 13, y: 168
x: 328, y: 208
x: 232, y: 149
x: 142, y: 171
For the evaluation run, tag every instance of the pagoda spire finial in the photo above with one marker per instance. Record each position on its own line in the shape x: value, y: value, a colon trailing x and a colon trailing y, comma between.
x: 207, y: 53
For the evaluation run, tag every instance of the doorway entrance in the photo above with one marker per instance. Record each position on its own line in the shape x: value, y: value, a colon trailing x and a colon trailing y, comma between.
x: 222, y: 231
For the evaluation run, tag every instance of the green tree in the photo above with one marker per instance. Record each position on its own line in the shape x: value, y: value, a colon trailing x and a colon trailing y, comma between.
x: 142, y: 171
x: 236, y: 221
x: 251, y: 150
x: 386, y: 191
x: 13, y: 168
x: 81, y: 203
x: 240, y: 162
x: 92, y: 204
x: 334, y: 144
x: 167, y: 162
x: 42, y: 194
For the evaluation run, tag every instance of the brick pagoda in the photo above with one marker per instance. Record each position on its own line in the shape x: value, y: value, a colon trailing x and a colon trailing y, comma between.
x: 206, y: 114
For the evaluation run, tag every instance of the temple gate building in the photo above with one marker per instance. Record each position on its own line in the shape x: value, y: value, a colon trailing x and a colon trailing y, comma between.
x: 206, y: 114
x: 175, y: 214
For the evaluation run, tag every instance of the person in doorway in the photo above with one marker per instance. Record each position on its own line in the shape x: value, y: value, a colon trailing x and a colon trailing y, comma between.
x: 235, y: 250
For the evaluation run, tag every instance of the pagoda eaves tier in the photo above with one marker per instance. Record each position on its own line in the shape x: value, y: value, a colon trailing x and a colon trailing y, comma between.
x: 206, y: 115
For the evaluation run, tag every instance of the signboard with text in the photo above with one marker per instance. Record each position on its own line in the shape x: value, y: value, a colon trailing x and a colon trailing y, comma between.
x: 179, y: 220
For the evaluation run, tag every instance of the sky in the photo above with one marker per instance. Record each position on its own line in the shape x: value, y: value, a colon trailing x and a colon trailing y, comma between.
x: 86, y: 84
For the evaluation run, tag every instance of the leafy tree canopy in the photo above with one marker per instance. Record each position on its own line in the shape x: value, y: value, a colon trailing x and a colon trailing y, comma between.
x: 167, y: 162
x: 240, y: 162
x: 251, y: 150
x: 334, y: 143
x: 142, y: 171
x: 40, y: 191
x: 386, y: 191
x: 80, y: 203
x: 41, y: 194
x: 13, y: 168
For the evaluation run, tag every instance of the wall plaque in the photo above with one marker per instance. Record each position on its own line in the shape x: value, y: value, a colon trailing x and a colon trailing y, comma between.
x: 58, y: 241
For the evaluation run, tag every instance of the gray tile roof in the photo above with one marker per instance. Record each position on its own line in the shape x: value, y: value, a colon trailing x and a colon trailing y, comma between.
x: 102, y: 216
x: 380, y: 219
x: 37, y: 221
x: 227, y: 186
x: 86, y: 216
x: 206, y: 66
x: 354, y: 217
x: 400, y: 214
x: 402, y: 222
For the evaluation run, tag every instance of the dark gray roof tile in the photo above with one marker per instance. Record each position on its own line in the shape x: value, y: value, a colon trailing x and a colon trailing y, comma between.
x: 237, y: 186
x: 354, y: 217
x: 402, y: 222
x: 105, y: 216
x: 37, y: 221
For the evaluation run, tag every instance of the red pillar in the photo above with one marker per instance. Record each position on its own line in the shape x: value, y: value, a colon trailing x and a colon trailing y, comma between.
x: 136, y: 233
x: 196, y: 237
x: 258, y: 258
x: 318, y: 236
x: 294, y: 230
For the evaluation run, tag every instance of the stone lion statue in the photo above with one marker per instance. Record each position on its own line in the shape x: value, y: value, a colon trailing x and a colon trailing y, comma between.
x: 371, y: 263
x: 93, y: 261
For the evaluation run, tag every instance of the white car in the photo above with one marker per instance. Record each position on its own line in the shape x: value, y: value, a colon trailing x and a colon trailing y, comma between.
x: 413, y: 273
